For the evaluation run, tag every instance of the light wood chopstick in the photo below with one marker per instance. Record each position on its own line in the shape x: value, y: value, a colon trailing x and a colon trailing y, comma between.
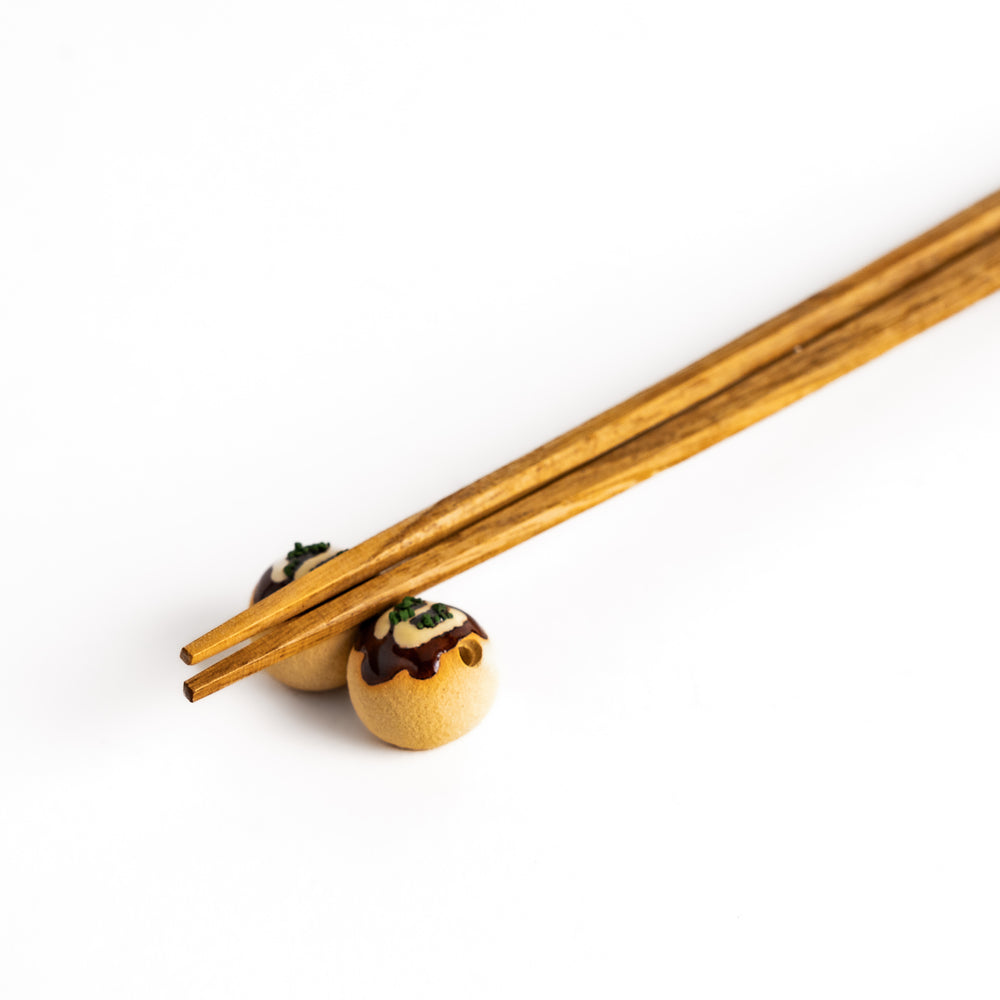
x: 599, y: 435
x: 962, y: 281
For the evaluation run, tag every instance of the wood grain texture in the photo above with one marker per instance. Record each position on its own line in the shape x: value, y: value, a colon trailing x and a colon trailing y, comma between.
x: 969, y: 277
x: 699, y: 381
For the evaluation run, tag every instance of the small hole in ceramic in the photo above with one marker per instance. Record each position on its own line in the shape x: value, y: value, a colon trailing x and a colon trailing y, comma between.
x: 471, y: 653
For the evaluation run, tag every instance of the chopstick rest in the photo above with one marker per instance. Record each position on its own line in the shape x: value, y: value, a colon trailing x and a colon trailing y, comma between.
x: 421, y: 674
x: 322, y: 667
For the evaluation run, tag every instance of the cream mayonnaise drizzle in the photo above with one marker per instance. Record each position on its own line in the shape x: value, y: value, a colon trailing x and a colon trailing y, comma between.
x: 278, y: 569
x: 407, y: 636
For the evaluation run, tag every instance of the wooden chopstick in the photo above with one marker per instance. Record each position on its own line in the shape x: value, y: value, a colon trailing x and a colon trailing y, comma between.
x: 599, y: 435
x: 964, y: 280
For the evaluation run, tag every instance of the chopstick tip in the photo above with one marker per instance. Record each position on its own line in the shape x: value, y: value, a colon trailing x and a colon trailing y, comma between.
x: 188, y: 693
x: 186, y: 656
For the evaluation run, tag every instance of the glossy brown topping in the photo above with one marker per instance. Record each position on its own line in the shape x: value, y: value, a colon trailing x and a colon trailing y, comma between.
x: 301, y: 557
x: 384, y: 657
x: 266, y: 586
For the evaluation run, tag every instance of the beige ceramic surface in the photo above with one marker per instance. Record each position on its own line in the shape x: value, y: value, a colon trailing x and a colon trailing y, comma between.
x: 320, y: 668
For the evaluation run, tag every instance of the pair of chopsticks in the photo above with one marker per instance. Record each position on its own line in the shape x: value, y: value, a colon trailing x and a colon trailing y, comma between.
x: 910, y: 289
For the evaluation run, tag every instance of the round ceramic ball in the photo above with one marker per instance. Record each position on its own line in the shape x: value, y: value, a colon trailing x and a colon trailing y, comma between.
x: 322, y: 667
x: 420, y: 674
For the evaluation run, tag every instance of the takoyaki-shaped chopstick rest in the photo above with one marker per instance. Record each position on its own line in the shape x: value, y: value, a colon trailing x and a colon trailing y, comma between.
x: 420, y: 674
x: 321, y: 667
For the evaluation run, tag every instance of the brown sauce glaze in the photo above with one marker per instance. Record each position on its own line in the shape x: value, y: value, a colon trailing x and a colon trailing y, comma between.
x: 383, y: 659
x: 266, y: 586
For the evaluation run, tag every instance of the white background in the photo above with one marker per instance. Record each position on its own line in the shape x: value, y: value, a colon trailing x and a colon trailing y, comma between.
x: 293, y: 271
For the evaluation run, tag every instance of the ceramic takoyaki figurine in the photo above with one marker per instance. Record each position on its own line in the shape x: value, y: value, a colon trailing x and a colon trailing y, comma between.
x: 420, y: 675
x: 321, y: 667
